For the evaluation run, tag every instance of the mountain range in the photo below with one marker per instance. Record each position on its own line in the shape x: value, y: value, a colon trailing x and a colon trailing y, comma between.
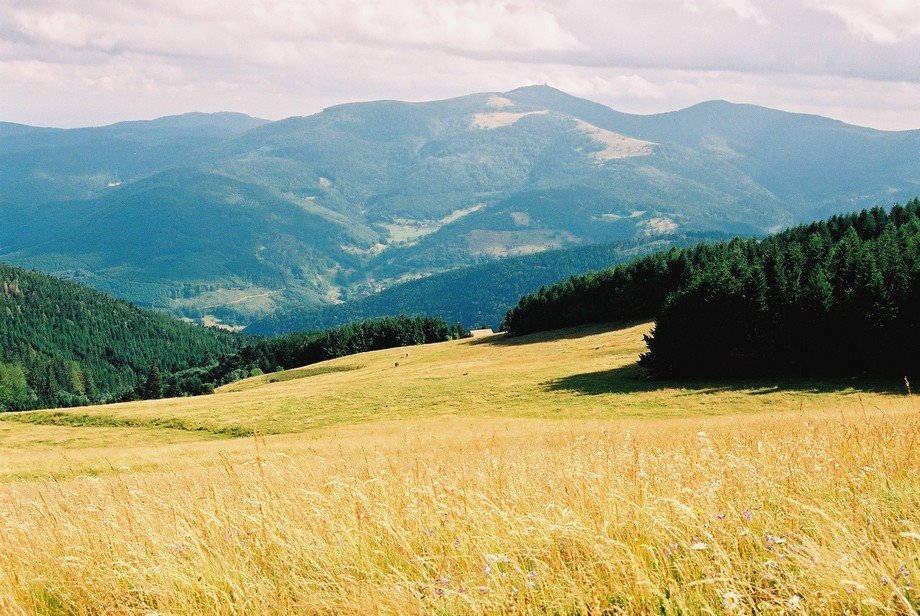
x: 229, y: 218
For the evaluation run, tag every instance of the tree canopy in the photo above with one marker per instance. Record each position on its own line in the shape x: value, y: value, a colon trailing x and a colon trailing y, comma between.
x: 76, y: 346
x: 304, y: 348
x: 833, y: 297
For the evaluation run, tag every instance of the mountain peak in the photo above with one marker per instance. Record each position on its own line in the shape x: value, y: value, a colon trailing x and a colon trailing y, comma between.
x: 312, y: 210
x: 538, y: 89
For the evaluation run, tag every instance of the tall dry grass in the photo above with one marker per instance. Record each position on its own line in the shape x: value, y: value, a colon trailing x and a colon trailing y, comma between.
x: 791, y: 514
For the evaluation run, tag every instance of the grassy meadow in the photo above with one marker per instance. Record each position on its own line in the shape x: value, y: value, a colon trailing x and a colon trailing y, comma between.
x: 537, y: 475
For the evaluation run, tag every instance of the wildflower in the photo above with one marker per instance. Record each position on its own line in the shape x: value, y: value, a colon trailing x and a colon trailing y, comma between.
x: 699, y: 546
x: 483, y: 590
x: 429, y: 532
x: 532, y: 575
x: 794, y: 602
x: 720, y: 515
x: 868, y: 469
x: 486, y: 569
x: 457, y: 543
x: 747, y: 515
x: 903, y: 571
x: 444, y: 581
x: 731, y: 600
x: 774, y: 539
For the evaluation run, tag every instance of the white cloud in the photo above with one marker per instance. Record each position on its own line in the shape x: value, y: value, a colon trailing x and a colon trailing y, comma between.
x: 608, y: 87
x: 474, y: 26
x: 879, y: 21
x: 743, y: 9
x: 271, y: 30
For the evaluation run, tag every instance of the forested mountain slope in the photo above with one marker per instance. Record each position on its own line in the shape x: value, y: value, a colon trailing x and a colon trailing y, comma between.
x: 331, y: 207
x: 473, y: 296
x: 833, y: 297
x: 63, y: 344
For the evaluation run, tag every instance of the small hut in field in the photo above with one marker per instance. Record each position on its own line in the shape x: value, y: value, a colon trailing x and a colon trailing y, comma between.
x: 482, y: 333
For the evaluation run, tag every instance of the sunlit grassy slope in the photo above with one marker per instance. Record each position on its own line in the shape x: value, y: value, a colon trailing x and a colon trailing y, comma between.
x: 489, y: 476
x: 574, y: 374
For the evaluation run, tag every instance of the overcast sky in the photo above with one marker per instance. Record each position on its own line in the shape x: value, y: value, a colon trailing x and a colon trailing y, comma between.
x: 86, y: 62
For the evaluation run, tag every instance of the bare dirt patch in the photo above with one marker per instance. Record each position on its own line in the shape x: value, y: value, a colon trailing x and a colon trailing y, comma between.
x: 499, y: 119
x: 615, y: 145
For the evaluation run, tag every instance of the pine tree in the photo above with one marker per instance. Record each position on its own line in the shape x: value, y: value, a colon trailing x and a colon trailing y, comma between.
x: 153, y: 386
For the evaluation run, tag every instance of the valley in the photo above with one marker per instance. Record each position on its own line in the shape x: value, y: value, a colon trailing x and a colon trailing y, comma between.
x: 466, y: 307
x: 228, y: 217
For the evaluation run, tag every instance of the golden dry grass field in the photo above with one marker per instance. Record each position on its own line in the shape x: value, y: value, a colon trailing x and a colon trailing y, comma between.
x: 535, y: 476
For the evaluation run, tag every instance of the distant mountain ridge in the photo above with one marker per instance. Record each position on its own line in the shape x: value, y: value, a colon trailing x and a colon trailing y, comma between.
x: 235, y: 218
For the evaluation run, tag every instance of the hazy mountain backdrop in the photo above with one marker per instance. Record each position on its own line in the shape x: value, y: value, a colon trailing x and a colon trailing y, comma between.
x: 225, y: 216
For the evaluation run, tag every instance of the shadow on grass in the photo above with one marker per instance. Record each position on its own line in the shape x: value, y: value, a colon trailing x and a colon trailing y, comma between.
x: 569, y: 333
x: 633, y: 379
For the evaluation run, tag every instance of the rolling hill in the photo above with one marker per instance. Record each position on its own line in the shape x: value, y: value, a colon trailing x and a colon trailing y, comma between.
x: 517, y: 476
x: 472, y: 296
x: 74, y: 345
x: 335, y: 206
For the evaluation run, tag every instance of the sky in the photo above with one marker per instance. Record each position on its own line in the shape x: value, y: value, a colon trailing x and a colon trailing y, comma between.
x: 90, y: 62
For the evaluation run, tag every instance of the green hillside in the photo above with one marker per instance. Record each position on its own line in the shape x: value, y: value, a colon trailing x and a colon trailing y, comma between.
x: 473, y: 296
x: 311, y: 211
x: 189, y: 241
x: 812, y: 166
x: 49, y: 165
x: 62, y: 344
x: 836, y: 297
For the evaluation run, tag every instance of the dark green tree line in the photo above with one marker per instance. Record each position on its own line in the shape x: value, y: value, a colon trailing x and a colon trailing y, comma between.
x: 62, y: 344
x: 838, y: 297
x: 77, y: 346
x: 300, y: 349
x: 833, y: 297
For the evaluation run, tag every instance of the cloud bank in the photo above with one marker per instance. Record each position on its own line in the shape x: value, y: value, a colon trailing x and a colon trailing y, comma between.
x: 79, y: 62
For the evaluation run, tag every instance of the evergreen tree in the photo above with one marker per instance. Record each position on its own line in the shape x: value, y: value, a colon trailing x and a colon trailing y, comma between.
x: 833, y: 297
x: 76, y: 345
x: 14, y: 391
x: 153, y: 385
